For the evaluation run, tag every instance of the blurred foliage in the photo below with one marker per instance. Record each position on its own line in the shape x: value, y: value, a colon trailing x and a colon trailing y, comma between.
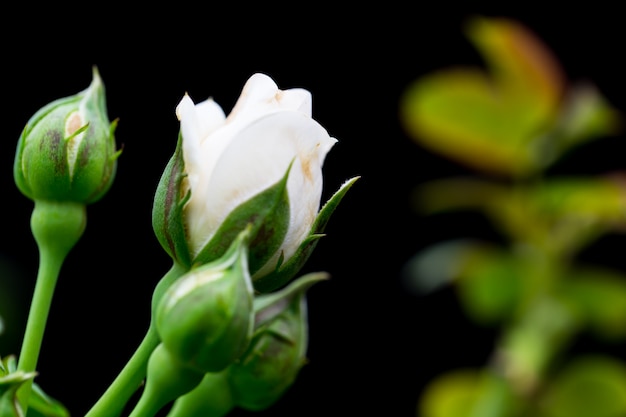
x: 508, y: 123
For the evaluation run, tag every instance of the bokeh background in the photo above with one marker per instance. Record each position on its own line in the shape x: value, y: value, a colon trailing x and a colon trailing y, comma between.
x: 374, y: 345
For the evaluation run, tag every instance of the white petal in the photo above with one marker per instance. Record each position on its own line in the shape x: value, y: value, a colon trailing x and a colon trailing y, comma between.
x: 210, y: 116
x: 197, y: 122
x: 256, y: 158
x: 297, y: 99
x: 261, y: 95
x: 190, y: 128
x: 258, y: 91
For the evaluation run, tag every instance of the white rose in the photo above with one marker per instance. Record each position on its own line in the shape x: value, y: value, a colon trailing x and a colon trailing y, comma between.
x: 230, y: 159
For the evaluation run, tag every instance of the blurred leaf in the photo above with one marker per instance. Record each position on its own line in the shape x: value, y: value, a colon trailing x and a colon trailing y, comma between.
x: 488, y: 119
x: 558, y: 214
x: 492, y: 287
x: 563, y: 214
x: 458, y: 113
x: 458, y: 193
x: 585, y: 115
x: 525, y: 72
x: 489, y: 279
x: 531, y: 343
x: 441, y: 264
x: 599, y: 297
x: 589, y: 386
x: 466, y: 393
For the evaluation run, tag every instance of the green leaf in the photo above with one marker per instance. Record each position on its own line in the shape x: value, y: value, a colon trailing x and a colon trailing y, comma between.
x: 598, y: 295
x: 566, y: 213
x: 467, y: 393
x: 489, y: 119
x: 563, y: 213
x: 587, y: 386
x: 458, y: 193
x: 492, y: 287
x: 586, y: 116
x: 489, y: 280
x: 441, y: 264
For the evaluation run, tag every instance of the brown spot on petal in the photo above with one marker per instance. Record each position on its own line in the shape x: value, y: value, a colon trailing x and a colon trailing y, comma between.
x: 305, y: 165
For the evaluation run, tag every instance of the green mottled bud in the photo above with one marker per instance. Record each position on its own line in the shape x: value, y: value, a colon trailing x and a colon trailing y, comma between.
x: 278, y: 348
x: 67, y: 150
x: 205, y: 319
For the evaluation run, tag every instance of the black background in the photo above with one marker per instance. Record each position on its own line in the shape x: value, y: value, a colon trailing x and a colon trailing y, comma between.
x: 373, y: 344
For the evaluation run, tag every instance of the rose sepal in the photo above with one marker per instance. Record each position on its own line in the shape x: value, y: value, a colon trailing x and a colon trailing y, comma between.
x: 10, y: 381
x: 267, y: 216
x: 285, y: 271
x: 167, y: 209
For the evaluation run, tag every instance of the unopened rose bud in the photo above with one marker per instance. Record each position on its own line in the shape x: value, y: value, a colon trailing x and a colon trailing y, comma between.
x: 67, y: 150
x: 261, y: 165
x: 205, y: 319
x: 277, y: 351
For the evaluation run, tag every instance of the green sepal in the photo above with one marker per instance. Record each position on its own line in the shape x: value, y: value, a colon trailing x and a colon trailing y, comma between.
x: 268, y: 306
x: 39, y: 403
x: 285, y: 271
x: 10, y: 382
x: 167, y: 209
x: 267, y: 215
x: 97, y: 156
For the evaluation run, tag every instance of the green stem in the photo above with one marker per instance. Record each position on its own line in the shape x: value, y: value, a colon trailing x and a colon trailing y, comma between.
x: 114, y: 399
x: 211, y: 398
x: 56, y: 227
x: 166, y: 381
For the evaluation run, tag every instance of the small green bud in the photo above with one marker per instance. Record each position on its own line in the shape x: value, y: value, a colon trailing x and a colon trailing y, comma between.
x: 205, y: 318
x: 66, y: 151
x: 277, y: 350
